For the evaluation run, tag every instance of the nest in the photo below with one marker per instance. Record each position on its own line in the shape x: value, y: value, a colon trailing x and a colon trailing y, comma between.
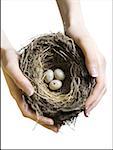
x: 50, y: 52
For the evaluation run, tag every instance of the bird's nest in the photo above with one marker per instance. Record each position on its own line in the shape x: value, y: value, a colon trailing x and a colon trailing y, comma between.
x: 50, y: 52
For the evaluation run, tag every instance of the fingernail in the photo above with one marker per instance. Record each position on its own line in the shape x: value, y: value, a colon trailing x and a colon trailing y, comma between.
x: 30, y: 92
x: 86, y: 108
x: 94, y: 72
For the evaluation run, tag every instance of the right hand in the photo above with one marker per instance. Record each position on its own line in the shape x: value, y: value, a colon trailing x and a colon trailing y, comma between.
x: 17, y: 83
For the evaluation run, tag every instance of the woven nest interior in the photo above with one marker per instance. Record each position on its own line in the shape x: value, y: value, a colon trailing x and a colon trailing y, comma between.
x: 50, y: 52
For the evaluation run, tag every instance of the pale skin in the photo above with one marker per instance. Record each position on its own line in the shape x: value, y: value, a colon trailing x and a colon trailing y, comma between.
x: 74, y: 27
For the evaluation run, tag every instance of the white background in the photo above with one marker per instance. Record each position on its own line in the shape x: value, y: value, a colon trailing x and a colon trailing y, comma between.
x: 23, y: 19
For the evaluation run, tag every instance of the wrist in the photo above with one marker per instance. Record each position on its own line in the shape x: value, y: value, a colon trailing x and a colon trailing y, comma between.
x: 5, y: 43
x: 77, y: 31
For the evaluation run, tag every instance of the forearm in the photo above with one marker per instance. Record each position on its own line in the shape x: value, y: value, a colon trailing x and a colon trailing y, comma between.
x: 71, y: 14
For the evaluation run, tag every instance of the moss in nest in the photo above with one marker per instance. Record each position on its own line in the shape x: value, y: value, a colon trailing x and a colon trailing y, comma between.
x: 50, y: 52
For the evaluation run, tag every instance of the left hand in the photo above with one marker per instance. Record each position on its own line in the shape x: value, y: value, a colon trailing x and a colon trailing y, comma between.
x: 95, y: 63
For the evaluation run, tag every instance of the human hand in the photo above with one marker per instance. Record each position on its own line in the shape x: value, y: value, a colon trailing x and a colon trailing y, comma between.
x: 17, y: 83
x: 95, y: 63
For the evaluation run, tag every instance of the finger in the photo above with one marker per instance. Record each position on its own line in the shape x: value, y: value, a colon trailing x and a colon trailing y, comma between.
x: 45, y: 120
x: 53, y: 128
x: 27, y: 112
x: 32, y: 115
x: 94, y: 104
x: 91, y: 60
x: 14, y: 90
x: 89, y: 49
x: 13, y: 70
x: 91, y: 65
x: 96, y: 95
x: 21, y: 81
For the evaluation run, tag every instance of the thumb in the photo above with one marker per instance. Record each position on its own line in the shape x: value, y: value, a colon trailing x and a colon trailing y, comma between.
x: 92, y: 65
x: 89, y: 49
x: 20, y: 80
x: 11, y: 66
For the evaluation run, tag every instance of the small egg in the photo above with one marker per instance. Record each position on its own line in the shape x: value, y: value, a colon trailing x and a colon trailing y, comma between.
x: 59, y: 74
x: 55, y: 85
x: 49, y: 76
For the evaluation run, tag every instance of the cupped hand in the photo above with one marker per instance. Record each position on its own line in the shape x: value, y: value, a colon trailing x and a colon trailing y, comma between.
x: 17, y: 83
x: 95, y: 63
